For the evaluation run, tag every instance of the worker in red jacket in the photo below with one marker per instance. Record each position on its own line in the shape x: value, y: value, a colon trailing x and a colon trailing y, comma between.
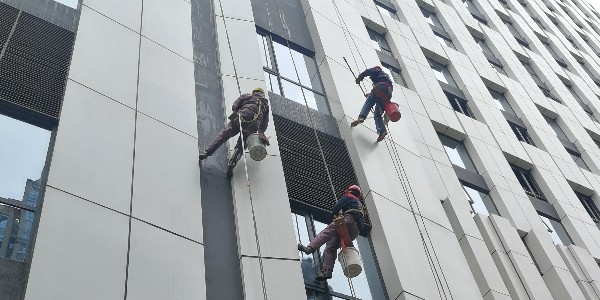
x: 253, y: 110
x: 350, y: 207
x: 381, y: 94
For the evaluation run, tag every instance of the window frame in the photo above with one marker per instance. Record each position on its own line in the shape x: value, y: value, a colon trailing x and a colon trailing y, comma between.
x: 590, y: 206
x: 525, y: 176
x: 459, y: 104
x: 521, y: 132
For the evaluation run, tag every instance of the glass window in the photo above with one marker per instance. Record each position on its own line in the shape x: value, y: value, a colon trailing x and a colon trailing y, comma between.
x: 394, y: 73
x: 432, y: 18
x: 528, y: 182
x: 480, y: 202
x: 576, y: 156
x: 69, y: 3
x: 521, y: 133
x: 459, y: 104
x: 366, y: 285
x: 557, y: 231
x: 384, y: 10
x: 443, y: 39
x: 474, y: 11
x: 22, y: 157
x: 501, y: 102
x: 442, y: 73
x: 378, y: 41
x: 589, y: 206
x: 556, y: 128
x: 457, y: 153
x: 290, y: 73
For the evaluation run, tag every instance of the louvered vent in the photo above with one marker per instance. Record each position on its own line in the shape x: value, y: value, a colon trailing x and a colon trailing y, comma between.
x: 305, y: 174
x: 33, y: 70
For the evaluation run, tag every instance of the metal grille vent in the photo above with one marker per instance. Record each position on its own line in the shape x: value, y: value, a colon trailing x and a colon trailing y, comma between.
x: 33, y: 70
x: 8, y: 15
x: 305, y: 174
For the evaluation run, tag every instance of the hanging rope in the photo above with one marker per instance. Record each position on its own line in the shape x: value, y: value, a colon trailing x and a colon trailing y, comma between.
x: 399, y: 168
x: 258, y: 249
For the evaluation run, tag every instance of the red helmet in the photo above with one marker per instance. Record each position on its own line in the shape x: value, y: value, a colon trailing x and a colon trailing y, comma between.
x: 353, y: 187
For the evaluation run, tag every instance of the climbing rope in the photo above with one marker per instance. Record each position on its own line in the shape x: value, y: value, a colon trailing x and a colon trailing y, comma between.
x: 258, y: 248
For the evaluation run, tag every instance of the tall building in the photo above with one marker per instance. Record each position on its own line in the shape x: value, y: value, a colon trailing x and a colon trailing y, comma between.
x: 486, y: 188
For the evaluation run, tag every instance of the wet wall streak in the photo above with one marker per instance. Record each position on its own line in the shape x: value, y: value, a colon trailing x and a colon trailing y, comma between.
x: 223, y: 276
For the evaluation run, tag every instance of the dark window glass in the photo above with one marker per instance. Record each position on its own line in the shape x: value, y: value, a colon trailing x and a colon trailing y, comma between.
x: 291, y: 73
x: 444, y: 39
x: 521, y: 133
x: 589, y: 206
x: 528, y: 183
x: 505, y: 4
x: 459, y: 104
x: 378, y: 41
x: 385, y: 10
x: 474, y: 11
x: 576, y: 156
x: 480, y: 202
x: 457, y: 153
x: 549, y: 95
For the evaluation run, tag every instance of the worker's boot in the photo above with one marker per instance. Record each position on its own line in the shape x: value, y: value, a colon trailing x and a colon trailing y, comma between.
x: 306, y: 249
x: 381, y: 136
x: 324, y: 275
x: 203, y: 155
x: 360, y: 120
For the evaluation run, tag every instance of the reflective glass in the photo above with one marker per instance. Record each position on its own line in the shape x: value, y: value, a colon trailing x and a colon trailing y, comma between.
x: 272, y: 84
x: 385, y: 11
x: 481, y: 202
x: 501, y: 102
x: 22, y: 158
x: 339, y: 282
x: 307, y: 70
x: 285, y: 65
x: 293, y: 92
x: 306, y: 261
x: 557, y: 231
x: 457, y: 153
x: 265, y: 55
x: 15, y: 232
x: 69, y: 3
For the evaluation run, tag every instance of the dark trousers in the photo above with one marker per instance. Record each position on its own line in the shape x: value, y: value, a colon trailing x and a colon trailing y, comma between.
x: 330, y: 236
x: 231, y: 129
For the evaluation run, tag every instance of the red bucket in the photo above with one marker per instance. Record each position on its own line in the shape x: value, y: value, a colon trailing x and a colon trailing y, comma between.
x: 393, y: 111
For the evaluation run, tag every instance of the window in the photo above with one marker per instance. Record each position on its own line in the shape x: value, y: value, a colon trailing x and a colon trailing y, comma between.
x: 69, y: 3
x: 443, y: 39
x: 536, y: 20
x: 290, y: 72
x: 432, y: 18
x: 505, y: 4
x: 367, y: 284
x: 394, y: 73
x: 557, y: 130
x: 521, y: 133
x: 520, y: 39
x: 576, y: 156
x: 584, y: 106
x: 587, y: 71
x: 589, y: 206
x: 555, y: 55
x: 378, y: 41
x: 457, y: 153
x: 548, y: 95
x: 480, y: 202
x: 442, y: 73
x: 23, y: 158
x: 487, y: 52
x: 556, y: 230
x: 502, y: 102
x: 385, y: 10
x: 528, y: 183
x: 475, y: 12
x: 459, y: 104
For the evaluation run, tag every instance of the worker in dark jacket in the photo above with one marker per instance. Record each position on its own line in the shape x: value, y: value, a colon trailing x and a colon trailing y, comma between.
x: 350, y: 207
x: 253, y: 110
x: 379, y: 96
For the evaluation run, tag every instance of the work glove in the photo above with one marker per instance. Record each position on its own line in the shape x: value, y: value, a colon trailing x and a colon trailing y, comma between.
x: 358, y: 80
x: 264, y: 138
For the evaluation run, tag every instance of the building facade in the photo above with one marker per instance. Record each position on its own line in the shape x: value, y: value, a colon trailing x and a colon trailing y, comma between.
x: 487, y: 188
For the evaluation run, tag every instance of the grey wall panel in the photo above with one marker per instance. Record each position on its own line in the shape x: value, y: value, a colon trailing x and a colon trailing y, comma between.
x: 283, y: 18
x: 223, y: 275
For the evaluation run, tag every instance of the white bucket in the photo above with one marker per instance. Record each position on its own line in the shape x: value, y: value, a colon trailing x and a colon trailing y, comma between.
x: 352, y: 266
x: 256, y: 147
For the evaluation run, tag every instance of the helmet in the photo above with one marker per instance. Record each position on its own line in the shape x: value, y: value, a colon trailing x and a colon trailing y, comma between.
x: 378, y: 68
x: 258, y: 89
x: 353, y: 187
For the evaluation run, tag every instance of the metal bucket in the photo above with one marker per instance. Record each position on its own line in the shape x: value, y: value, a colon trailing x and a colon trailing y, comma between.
x: 393, y: 111
x: 352, y: 266
x: 256, y: 147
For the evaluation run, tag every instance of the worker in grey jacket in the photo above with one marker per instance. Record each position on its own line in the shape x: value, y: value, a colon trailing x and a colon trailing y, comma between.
x: 253, y: 110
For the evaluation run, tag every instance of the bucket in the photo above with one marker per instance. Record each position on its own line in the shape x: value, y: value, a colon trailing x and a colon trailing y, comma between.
x: 256, y: 147
x: 352, y: 266
x: 393, y: 111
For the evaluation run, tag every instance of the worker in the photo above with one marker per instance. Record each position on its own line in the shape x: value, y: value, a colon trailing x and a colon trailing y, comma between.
x: 350, y: 207
x: 379, y: 96
x: 253, y: 110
